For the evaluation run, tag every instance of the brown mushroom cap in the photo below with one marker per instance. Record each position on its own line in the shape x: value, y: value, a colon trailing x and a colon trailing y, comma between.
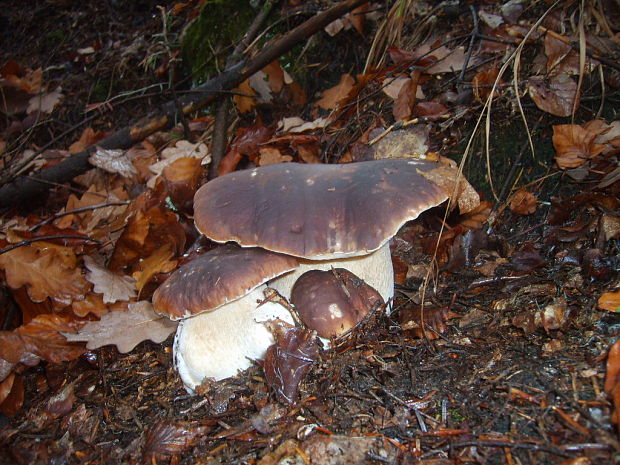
x: 332, y: 302
x: 217, y: 277
x: 316, y: 211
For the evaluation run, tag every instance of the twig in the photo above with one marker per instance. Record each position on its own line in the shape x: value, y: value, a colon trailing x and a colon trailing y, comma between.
x: 470, y: 49
x: 26, y: 242
x: 77, y: 210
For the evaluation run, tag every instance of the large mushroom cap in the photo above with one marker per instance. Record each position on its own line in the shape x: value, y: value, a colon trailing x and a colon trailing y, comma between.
x: 217, y: 277
x: 316, y: 211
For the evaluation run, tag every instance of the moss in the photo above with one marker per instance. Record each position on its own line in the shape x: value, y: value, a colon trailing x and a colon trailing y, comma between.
x: 210, y: 38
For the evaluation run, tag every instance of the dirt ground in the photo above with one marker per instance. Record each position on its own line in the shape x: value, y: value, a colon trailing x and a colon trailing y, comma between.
x: 508, y: 368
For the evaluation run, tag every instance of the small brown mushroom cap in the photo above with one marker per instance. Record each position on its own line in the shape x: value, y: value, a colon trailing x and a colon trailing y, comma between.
x: 332, y: 302
x: 316, y: 211
x: 216, y: 278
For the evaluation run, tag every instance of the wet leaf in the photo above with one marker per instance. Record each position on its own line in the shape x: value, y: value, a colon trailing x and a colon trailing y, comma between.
x: 483, y: 83
x: 15, y: 399
x: 166, y: 438
x: 182, y: 149
x: 288, y: 361
x: 88, y: 138
x: 125, y: 329
x: 45, y: 102
x: 555, y: 95
x: 527, y: 259
x: 612, y: 380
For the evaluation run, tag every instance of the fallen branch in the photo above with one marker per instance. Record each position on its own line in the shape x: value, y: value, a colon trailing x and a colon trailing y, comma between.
x: 25, y: 188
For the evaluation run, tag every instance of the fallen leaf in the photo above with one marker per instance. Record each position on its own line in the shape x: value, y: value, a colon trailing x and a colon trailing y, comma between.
x: 523, y: 203
x: 125, y: 329
x: 555, y: 95
x: 483, y: 83
x: 244, y: 97
x: 45, y: 274
x: 158, y: 262
x: 330, y: 98
x: 574, y: 145
x: 166, y: 438
x: 113, y: 161
x: 288, y: 361
x: 271, y: 155
x: 88, y: 138
x: 15, y: 399
x: 182, y: 179
x: 610, y: 301
x: 41, y: 338
x: 182, y: 149
x: 44, y: 103
x: 112, y: 286
x: 612, y: 380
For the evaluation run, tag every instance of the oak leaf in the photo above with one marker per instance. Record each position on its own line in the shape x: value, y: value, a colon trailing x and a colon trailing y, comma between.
x: 40, y: 339
x: 45, y: 274
x: 158, y: 262
x: 125, y: 329
x: 113, y: 287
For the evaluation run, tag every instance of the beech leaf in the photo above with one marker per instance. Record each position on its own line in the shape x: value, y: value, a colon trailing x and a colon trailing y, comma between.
x: 125, y: 329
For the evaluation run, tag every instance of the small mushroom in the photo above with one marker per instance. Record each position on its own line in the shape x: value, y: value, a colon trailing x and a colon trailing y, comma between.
x: 216, y: 298
x: 332, y: 302
x: 328, y: 215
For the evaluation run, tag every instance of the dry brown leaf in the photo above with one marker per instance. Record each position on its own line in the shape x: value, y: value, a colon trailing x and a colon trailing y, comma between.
x: 407, y: 96
x: 88, y: 138
x: 182, y: 149
x: 170, y: 438
x: 483, y: 83
x: 612, y: 380
x: 44, y: 273
x: 113, y: 161
x: 555, y: 95
x: 271, y: 155
x: 112, y: 286
x: 245, y: 102
x: 523, y: 202
x: 44, y: 103
x: 574, y: 145
x: 465, y: 196
x: 158, y: 262
x: 330, y: 98
x: 610, y: 301
x: 125, y: 329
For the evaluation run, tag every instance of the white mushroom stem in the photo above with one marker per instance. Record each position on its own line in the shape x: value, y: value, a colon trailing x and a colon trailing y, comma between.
x: 375, y: 269
x: 220, y: 343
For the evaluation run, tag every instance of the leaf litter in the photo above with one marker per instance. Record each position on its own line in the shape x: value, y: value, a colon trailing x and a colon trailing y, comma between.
x: 501, y: 343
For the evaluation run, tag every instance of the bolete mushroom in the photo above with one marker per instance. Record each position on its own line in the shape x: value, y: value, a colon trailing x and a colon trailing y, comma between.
x: 332, y: 302
x: 328, y: 215
x: 216, y: 298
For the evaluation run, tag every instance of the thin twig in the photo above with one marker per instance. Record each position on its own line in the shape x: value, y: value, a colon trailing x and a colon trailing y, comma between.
x: 77, y: 210
x: 27, y: 242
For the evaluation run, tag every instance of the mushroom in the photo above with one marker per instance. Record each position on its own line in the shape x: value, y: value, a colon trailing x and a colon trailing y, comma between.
x: 328, y: 215
x: 216, y: 298
x: 332, y: 302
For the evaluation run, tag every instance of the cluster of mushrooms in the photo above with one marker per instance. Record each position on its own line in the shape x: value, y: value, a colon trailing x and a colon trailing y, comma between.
x: 281, y: 223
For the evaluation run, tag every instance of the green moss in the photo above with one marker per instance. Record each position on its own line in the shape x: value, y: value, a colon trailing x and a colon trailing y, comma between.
x: 211, y: 37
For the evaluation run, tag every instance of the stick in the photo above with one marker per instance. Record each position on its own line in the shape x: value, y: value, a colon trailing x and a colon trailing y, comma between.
x: 25, y: 188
